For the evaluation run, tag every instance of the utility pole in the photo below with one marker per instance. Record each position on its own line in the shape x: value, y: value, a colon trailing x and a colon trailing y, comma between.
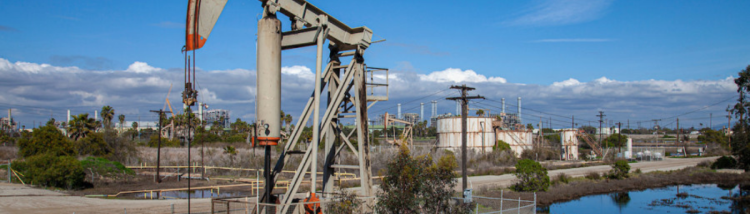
x: 711, y: 121
x: 573, y: 122
x: 158, y: 150
x: 601, y: 120
x: 464, y: 99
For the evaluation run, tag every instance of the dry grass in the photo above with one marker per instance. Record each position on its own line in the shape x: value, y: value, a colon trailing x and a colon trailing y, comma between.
x: 8, y: 152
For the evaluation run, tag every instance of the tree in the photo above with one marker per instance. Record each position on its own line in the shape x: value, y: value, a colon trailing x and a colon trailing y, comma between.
x: 620, y: 170
x: 231, y: 151
x: 94, y: 144
x: 615, y: 140
x: 529, y: 126
x: 46, y: 139
x: 417, y: 185
x: 122, y: 120
x: 288, y: 120
x: 80, y: 126
x: 480, y: 112
x: 712, y: 136
x: 107, y: 114
x: 741, y: 136
x: 532, y: 177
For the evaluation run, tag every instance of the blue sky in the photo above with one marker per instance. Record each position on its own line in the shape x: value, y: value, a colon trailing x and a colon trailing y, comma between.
x: 529, y: 45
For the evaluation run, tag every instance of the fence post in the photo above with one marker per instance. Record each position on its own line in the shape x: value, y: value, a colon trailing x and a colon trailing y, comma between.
x: 126, y: 210
x: 477, y: 210
x: 212, y: 206
x: 501, y: 201
x: 9, y: 177
x: 519, y: 204
x: 534, y: 203
x: 172, y: 208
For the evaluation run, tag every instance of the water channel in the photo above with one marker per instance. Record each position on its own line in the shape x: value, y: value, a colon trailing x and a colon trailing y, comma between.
x: 703, y: 198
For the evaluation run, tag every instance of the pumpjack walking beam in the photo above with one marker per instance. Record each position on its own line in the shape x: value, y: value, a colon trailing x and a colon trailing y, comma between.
x: 347, y: 94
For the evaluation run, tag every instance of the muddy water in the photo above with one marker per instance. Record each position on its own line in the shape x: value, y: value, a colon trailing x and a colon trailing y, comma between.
x: 674, y: 199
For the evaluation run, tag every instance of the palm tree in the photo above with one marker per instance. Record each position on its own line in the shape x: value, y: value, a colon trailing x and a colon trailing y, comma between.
x: 122, y: 120
x: 107, y: 114
x: 480, y: 112
x: 288, y: 120
x: 81, y: 126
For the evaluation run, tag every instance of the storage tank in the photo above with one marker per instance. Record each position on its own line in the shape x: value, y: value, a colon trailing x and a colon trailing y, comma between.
x: 518, y: 140
x: 569, y: 143
x: 479, y: 134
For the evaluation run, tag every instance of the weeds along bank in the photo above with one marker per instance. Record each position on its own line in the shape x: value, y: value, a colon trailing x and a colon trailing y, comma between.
x: 564, y: 188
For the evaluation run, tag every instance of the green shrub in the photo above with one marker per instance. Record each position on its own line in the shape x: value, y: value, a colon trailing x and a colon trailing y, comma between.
x: 46, y: 139
x: 620, y: 170
x: 532, y: 176
x: 103, y: 167
x: 165, y: 142
x: 561, y: 178
x: 724, y: 162
x: 93, y: 144
x: 501, y: 146
x: 593, y: 176
x: 51, y: 170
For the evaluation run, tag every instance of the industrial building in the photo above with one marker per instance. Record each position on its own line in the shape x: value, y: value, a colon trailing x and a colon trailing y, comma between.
x: 218, y: 115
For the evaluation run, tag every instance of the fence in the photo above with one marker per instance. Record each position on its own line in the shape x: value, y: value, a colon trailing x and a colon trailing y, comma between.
x: 248, y: 206
x: 488, y: 205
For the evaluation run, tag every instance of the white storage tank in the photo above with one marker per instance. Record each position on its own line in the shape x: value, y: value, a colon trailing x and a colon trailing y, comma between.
x: 479, y: 135
x: 518, y: 140
x: 569, y: 143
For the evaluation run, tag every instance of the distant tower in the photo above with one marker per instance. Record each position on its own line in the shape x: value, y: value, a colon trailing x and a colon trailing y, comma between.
x: 399, y: 111
x: 421, y: 111
x: 520, y: 120
x: 434, y: 108
x: 503, y: 101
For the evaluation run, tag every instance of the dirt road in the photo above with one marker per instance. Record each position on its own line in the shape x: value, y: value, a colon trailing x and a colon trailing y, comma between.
x: 478, y: 182
x: 16, y: 198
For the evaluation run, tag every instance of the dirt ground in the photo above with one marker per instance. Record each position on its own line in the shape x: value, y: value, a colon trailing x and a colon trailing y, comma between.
x: 16, y: 198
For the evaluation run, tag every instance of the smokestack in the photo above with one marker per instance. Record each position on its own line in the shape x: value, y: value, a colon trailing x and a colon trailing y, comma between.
x: 9, y: 119
x: 68, y: 117
x: 200, y: 112
x: 96, y: 115
x: 399, y: 111
x: 520, y: 120
x: 268, y: 81
x: 421, y: 111
x: 503, y: 101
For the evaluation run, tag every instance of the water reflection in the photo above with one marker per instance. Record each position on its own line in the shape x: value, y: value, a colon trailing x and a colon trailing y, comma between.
x: 674, y: 199
x: 621, y: 199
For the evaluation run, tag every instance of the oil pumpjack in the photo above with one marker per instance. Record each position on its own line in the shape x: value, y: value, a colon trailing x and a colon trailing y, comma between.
x: 346, y: 86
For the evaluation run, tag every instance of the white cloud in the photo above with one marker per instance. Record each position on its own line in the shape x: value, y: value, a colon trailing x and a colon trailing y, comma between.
x: 566, y: 83
x: 54, y: 89
x: 141, y: 67
x: 299, y: 71
x: 562, y: 12
x: 457, y: 75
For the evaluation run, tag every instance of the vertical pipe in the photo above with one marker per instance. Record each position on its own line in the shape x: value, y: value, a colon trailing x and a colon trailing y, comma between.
x: 421, y: 111
x: 399, y: 112
x: 520, y: 119
x: 200, y: 112
x: 316, y: 114
x: 269, y: 79
x: 502, y: 100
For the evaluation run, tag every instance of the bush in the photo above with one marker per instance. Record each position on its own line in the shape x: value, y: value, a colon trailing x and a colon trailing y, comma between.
x: 724, y: 162
x: 593, y: 176
x: 46, y: 139
x: 93, y: 144
x: 561, y: 178
x: 620, y: 170
x: 344, y: 202
x: 417, y: 185
x: 103, y: 167
x: 165, y: 142
x: 51, y: 170
x: 638, y: 171
x: 532, y: 176
x: 501, y: 146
